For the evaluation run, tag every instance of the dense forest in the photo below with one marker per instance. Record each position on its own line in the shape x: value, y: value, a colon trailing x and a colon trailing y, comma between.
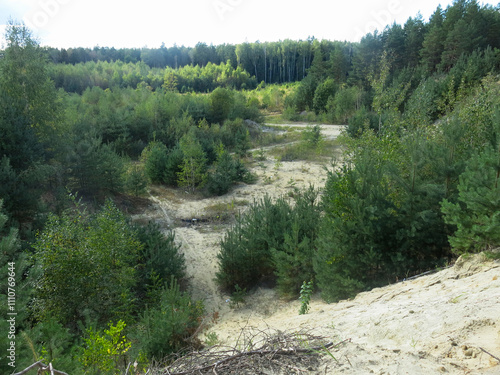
x: 83, y: 130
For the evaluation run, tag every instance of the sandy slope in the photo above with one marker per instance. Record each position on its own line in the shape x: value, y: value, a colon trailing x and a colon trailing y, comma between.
x: 433, y: 324
x: 430, y: 325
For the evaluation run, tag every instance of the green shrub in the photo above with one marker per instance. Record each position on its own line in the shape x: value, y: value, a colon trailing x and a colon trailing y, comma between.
x: 312, y: 136
x: 159, y: 259
x: 88, y: 266
x: 245, y: 258
x: 306, y: 291
x: 104, y: 353
x: 323, y: 92
x: 136, y: 180
x: 173, y: 166
x: 273, y: 241
x: 477, y: 213
x: 164, y: 329
x: 155, y: 159
x: 225, y: 173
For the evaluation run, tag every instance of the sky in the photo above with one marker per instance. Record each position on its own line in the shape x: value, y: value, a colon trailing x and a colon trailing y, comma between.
x: 149, y: 23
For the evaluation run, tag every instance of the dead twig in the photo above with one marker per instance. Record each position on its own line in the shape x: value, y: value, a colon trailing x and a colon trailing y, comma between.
x: 43, y: 368
x: 498, y: 359
x: 259, y: 349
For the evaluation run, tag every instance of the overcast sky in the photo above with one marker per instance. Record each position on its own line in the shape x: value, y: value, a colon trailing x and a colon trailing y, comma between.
x: 122, y: 23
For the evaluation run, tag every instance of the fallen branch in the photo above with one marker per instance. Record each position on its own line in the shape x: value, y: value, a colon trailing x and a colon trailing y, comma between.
x: 272, y: 353
x: 43, y: 368
x: 498, y: 359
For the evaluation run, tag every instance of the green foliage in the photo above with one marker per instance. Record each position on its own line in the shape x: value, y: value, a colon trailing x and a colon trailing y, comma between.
x: 476, y: 215
x: 270, y: 240
x: 306, y: 291
x: 159, y: 259
x: 104, y: 352
x: 48, y: 341
x: 88, y: 266
x: 354, y: 231
x: 237, y: 297
x: 382, y: 216
x: 155, y: 157
x: 164, y: 328
x: 323, y: 92
x: 136, y: 180
x: 344, y: 104
x: 96, y: 168
x: 193, y: 168
x: 222, y: 101
x: 312, y: 136
x: 25, y: 82
x: 360, y: 121
x: 29, y: 116
x: 244, y: 258
x: 13, y: 264
x: 304, y: 96
x: 226, y: 171
x: 173, y: 165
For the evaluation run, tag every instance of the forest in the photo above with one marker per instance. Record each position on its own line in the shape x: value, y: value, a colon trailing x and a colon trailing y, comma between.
x: 84, y: 130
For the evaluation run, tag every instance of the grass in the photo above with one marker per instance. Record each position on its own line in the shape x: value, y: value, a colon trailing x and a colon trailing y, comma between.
x: 224, y: 211
x: 275, y: 119
x: 302, y: 151
x: 281, y: 135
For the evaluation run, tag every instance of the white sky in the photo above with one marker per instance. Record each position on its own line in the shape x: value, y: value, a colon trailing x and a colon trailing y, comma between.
x: 122, y: 23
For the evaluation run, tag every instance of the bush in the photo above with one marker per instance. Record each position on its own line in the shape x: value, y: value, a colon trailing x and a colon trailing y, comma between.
x: 96, y: 167
x: 477, y: 213
x: 245, y: 258
x: 173, y: 166
x: 165, y: 328
x: 323, y: 92
x: 136, y: 180
x: 88, y: 266
x: 360, y: 121
x: 225, y: 173
x: 105, y: 353
x: 271, y: 242
x: 155, y: 159
x: 159, y: 259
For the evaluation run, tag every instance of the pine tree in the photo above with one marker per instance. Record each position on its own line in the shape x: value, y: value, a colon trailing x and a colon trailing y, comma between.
x: 193, y: 168
x: 477, y: 213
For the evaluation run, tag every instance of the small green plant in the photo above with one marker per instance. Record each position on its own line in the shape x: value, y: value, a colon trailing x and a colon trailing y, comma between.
x: 277, y: 165
x: 413, y: 342
x: 306, y: 292
x: 136, y: 180
x: 260, y: 155
x: 291, y: 183
x: 238, y: 297
x: 103, y: 351
x: 455, y: 299
x: 267, y: 179
x: 211, y: 339
x: 312, y: 136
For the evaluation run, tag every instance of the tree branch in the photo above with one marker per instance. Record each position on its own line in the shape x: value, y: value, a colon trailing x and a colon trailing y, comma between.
x: 498, y: 359
x: 43, y: 368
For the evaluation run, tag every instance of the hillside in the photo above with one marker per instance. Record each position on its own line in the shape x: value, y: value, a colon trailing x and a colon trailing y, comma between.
x: 430, y: 325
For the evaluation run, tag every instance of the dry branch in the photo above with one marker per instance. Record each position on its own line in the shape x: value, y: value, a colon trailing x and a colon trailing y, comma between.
x: 263, y: 350
x: 43, y: 368
x: 498, y: 359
